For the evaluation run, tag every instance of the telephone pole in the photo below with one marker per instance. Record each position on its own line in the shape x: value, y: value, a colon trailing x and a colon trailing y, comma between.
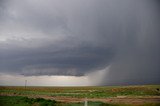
x: 25, y: 84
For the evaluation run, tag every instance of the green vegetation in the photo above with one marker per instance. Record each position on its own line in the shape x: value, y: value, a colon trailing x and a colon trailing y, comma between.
x: 89, y: 92
x: 94, y: 104
x: 25, y: 101
x: 109, y: 104
x: 16, y: 95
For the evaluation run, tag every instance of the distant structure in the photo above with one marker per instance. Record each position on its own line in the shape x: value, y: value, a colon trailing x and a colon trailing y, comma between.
x: 25, y: 84
x: 85, y: 102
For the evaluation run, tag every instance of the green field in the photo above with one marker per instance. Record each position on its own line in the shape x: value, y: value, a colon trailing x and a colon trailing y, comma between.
x: 89, y: 92
x: 148, y: 95
x: 24, y: 101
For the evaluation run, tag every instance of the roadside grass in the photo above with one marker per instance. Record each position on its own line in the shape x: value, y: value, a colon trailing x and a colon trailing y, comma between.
x: 95, y: 104
x: 25, y: 101
x: 109, y: 104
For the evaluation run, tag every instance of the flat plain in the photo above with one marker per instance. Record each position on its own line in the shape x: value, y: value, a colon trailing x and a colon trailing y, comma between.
x: 142, y: 95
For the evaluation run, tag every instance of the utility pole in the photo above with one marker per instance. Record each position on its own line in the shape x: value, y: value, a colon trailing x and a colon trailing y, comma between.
x: 25, y: 84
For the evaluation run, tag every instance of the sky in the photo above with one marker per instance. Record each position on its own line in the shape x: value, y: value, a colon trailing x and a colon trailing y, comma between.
x: 79, y: 42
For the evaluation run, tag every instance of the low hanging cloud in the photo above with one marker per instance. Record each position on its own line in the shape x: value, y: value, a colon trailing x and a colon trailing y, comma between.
x: 56, y: 37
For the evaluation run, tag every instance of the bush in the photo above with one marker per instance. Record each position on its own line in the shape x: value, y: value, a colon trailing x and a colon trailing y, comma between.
x: 40, y: 101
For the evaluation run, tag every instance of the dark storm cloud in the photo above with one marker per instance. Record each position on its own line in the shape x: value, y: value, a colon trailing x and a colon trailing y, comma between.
x: 61, y: 62
x: 54, y: 37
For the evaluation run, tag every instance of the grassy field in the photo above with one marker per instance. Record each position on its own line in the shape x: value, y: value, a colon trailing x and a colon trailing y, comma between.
x: 148, y: 95
x: 24, y: 101
x: 89, y: 92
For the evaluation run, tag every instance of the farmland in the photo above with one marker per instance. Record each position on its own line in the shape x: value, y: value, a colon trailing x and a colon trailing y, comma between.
x: 105, y: 95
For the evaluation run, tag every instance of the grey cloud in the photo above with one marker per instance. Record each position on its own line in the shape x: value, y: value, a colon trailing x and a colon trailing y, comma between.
x: 82, y: 59
x: 79, y: 37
